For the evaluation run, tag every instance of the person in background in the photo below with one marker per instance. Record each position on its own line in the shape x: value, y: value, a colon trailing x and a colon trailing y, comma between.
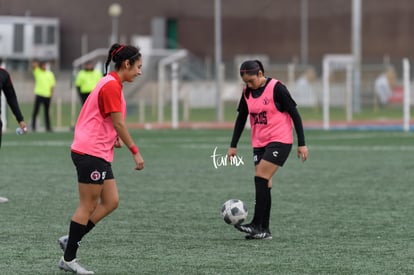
x: 100, y: 128
x: 272, y: 111
x: 86, y: 80
x: 6, y: 85
x: 44, y: 85
x: 384, y: 85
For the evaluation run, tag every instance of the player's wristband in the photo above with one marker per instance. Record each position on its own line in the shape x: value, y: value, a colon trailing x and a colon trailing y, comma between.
x: 134, y: 149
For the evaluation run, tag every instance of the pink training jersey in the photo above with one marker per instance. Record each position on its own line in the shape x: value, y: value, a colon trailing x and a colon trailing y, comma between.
x: 95, y: 134
x: 267, y: 122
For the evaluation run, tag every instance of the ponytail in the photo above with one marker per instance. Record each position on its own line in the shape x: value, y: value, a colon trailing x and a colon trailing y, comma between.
x: 118, y: 53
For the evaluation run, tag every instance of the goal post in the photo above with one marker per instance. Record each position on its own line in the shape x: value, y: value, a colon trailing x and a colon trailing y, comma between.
x: 407, y: 95
x: 331, y: 63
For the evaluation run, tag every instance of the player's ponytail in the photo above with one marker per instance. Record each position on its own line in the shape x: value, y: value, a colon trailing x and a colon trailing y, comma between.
x: 118, y: 53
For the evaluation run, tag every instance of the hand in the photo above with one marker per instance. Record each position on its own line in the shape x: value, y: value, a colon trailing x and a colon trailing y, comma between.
x: 118, y: 143
x: 231, y: 152
x: 303, y: 153
x: 139, y: 161
x: 22, y: 125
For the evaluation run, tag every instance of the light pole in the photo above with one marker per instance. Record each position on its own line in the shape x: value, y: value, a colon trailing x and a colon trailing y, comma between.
x: 218, y: 58
x: 114, y: 12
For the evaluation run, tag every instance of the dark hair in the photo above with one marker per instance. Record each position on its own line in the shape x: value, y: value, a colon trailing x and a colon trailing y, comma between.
x: 118, y: 53
x: 251, y: 67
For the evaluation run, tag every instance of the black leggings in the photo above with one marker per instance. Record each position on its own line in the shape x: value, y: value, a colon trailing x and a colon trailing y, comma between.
x: 45, y: 101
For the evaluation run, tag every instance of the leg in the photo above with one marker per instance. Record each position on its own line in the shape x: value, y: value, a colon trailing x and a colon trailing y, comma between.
x: 83, y: 96
x: 89, y: 195
x: 266, y: 170
x: 46, y: 104
x: 109, y: 201
x: 35, y: 112
x: 2, y: 199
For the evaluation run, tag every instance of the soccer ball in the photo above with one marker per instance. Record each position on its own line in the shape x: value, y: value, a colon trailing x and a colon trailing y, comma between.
x: 234, y: 211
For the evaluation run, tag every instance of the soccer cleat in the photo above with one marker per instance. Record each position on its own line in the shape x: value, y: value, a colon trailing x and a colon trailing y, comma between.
x: 3, y: 199
x: 73, y: 266
x: 263, y: 235
x: 63, y: 242
x: 250, y: 229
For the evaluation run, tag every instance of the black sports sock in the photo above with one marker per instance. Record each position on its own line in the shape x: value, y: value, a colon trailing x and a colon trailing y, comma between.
x: 261, y: 199
x: 266, y: 215
x: 89, y: 226
x: 76, y: 232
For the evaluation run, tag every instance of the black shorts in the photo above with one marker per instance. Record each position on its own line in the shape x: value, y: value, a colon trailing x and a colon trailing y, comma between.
x: 92, y: 169
x: 274, y: 152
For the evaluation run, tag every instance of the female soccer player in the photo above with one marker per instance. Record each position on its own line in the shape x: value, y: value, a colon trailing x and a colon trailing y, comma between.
x: 100, y: 128
x: 272, y: 111
x: 6, y: 85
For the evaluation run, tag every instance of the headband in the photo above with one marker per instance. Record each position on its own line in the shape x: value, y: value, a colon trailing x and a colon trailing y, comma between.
x: 117, y: 50
x: 250, y: 70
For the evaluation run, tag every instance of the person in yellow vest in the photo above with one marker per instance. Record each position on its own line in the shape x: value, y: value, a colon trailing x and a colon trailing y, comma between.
x: 86, y: 80
x: 44, y: 84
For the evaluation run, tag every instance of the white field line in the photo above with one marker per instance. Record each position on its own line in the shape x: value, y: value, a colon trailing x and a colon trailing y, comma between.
x: 41, y: 143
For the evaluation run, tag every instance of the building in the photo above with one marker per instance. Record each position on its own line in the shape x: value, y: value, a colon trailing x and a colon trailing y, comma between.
x: 273, y: 28
x: 25, y: 38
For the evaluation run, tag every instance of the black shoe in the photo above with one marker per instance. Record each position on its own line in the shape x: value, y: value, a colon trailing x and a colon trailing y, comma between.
x: 263, y: 235
x: 250, y: 229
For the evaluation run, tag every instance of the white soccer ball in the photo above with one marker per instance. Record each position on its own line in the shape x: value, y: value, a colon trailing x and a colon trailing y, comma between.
x: 234, y: 211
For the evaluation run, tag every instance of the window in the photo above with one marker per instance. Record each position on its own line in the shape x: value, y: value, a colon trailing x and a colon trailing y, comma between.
x: 38, y: 34
x: 18, y: 38
x: 50, y: 35
x: 172, y: 34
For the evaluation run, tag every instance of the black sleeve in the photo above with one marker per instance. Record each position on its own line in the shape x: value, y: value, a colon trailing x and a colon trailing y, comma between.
x: 297, y: 122
x: 243, y: 112
x: 283, y: 100
x: 11, y: 97
x: 285, y: 103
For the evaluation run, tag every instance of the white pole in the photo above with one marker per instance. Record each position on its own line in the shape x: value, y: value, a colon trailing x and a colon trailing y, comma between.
x: 356, y: 51
x: 73, y: 99
x: 174, y: 95
x: 59, y: 111
x: 3, y: 105
x: 291, y: 75
x: 349, y: 92
x: 326, y: 94
x: 161, y: 83
x: 406, y: 108
x: 217, y: 49
x: 141, y: 106
x: 162, y: 64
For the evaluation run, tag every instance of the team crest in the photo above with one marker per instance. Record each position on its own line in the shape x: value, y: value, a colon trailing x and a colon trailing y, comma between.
x: 266, y: 101
x: 95, y: 175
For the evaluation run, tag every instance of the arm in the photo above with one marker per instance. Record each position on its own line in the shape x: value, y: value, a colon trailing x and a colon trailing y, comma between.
x: 297, y: 122
x: 285, y: 103
x: 238, y: 126
x: 11, y: 98
x: 126, y: 138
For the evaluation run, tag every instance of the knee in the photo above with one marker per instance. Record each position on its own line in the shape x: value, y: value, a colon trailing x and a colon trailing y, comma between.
x: 88, y: 208
x: 112, y: 204
x: 115, y: 204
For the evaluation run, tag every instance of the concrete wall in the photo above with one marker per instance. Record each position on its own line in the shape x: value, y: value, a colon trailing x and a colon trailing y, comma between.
x: 270, y: 27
